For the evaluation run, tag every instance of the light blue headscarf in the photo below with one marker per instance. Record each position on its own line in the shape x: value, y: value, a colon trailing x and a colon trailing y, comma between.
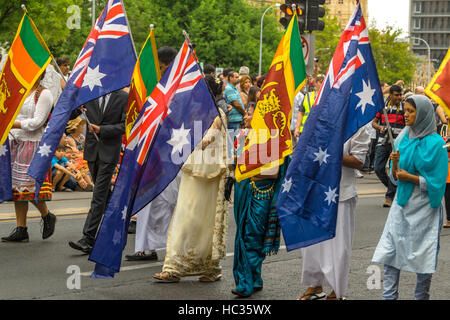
x: 421, y: 153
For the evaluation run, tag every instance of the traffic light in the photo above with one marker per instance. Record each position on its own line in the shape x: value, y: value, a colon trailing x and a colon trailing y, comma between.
x: 314, y: 12
x: 287, y: 9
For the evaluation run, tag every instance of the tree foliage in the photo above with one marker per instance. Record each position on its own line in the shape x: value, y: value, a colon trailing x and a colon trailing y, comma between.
x: 225, y: 33
x: 393, y: 57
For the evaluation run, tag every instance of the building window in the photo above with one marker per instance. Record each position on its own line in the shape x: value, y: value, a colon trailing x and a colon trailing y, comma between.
x: 341, y: 1
x: 417, y: 7
x: 416, y: 42
x: 327, y: 1
x: 416, y: 24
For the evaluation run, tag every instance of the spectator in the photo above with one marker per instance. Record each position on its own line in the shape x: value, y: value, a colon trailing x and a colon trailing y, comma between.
x: 395, y: 112
x: 245, y: 84
x: 64, y: 66
x: 233, y: 98
x: 75, y: 141
x: 307, y: 104
x: 62, y: 176
x: 209, y: 70
x: 217, y: 87
x: 244, y: 71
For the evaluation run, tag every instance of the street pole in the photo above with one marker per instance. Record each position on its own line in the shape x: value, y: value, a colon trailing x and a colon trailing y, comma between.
x: 261, y: 35
x: 429, y: 56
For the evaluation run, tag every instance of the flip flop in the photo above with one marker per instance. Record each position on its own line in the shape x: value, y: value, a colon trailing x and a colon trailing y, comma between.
x: 312, y: 296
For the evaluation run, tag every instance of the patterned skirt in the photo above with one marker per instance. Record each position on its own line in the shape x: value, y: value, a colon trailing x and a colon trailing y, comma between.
x: 24, y: 186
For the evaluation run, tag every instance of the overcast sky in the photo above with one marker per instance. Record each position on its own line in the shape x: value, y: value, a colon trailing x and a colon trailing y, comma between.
x: 389, y: 12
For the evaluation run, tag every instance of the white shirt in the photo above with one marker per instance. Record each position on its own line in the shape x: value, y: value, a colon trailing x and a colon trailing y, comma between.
x: 298, y: 100
x: 33, y: 116
x: 356, y: 146
x: 100, y: 101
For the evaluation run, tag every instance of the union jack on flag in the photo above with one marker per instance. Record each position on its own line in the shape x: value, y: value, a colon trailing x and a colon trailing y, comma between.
x: 349, y: 98
x: 155, y: 109
x: 105, y: 64
x: 164, y: 131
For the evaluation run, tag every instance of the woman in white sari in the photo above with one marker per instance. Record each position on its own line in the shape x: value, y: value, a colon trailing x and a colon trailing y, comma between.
x: 198, y: 230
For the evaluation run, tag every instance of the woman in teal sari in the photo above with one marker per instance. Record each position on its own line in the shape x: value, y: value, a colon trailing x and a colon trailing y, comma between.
x: 257, y: 225
x: 410, y: 239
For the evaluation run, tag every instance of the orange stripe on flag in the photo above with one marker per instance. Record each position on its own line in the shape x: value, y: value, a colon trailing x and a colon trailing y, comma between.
x: 22, y: 61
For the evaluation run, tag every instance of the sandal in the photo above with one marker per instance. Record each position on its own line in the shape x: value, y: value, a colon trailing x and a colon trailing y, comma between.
x: 212, y: 277
x: 332, y: 296
x: 166, y: 277
x: 311, y: 295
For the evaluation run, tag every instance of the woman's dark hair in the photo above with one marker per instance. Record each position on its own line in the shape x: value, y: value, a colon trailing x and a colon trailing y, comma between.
x: 411, y: 102
x: 214, y: 84
x: 252, y: 92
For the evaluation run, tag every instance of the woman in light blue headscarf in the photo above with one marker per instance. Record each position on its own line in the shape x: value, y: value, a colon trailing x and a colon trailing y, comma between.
x: 410, y: 240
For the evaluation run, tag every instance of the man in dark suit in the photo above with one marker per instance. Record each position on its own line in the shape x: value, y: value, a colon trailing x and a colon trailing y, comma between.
x: 107, y: 117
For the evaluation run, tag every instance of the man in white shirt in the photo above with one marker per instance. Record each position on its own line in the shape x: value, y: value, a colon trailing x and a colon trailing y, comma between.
x: 328, y: 263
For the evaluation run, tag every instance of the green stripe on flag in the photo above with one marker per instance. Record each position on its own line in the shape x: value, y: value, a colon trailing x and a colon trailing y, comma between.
x: 147, y: 67
x: 31, y: 43
x: 296, y: 55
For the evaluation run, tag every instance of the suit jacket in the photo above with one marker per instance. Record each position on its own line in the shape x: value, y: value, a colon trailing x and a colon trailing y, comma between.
x: 112, y: 127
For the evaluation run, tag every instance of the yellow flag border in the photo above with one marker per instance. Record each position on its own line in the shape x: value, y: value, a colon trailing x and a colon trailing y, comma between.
x: 430, y: 93
x: 22, y: 81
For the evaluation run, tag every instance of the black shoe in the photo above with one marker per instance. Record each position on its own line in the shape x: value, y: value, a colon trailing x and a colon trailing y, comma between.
x: 49, y: 222
x: 81, y: 245
x: 139, y: 256
x: 240, y: 294
x: 132, y: 227
x: 20, y: 234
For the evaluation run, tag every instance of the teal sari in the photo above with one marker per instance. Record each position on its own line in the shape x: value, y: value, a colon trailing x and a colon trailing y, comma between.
x: 257, y: 228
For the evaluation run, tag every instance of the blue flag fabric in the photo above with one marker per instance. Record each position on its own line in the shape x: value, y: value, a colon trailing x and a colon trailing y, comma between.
x: 105, y: 64
x: 173, y: 120
x: 5, y: 173
x: 349, y: 98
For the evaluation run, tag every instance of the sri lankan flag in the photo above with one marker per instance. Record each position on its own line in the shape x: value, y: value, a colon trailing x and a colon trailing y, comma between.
x: 146, y: 76
x: 27, y: 59
x: 269, y: 141
x: 439, y: 87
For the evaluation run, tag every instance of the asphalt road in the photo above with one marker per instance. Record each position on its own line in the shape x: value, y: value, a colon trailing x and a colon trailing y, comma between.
x: 39, y: 269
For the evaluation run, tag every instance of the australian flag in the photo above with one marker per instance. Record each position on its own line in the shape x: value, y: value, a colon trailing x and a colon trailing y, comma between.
x: 349, y: 98
x: 173, y: 120
x: 5, y: 172
x: 105, y: 64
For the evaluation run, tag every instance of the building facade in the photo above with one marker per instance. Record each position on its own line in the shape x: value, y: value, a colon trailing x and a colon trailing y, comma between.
x: 429, y: 20
x: 343, y: 9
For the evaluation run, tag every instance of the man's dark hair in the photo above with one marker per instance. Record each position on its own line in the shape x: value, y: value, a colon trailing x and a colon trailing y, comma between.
x: 406, y: 91
x: 166, y: 55
x: 209, y: 69
x: 62, y: 60
x: 230, y: 74
x: 226, y: 71
x: 395, y: 88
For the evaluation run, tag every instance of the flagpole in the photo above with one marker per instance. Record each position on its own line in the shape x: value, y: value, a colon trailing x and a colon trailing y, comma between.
x: 128, y: 25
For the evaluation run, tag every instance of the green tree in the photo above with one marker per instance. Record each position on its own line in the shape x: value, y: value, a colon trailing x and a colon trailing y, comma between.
x: 393, y: 57
x: 50, y: 18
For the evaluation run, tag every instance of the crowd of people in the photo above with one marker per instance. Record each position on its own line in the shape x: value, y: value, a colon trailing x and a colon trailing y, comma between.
x: 189, y: 219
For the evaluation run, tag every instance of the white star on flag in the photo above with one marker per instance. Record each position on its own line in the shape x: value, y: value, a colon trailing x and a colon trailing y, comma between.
x: 2, y: 151
x: 321, y: 156
x: 366, y: 96
x: 124, y: 213
x: 45, y: 150
x: 287, y: 185
x: 92, y: 78
x: 331, y: 195
x: 179, y: 139
x: 117, y: 237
